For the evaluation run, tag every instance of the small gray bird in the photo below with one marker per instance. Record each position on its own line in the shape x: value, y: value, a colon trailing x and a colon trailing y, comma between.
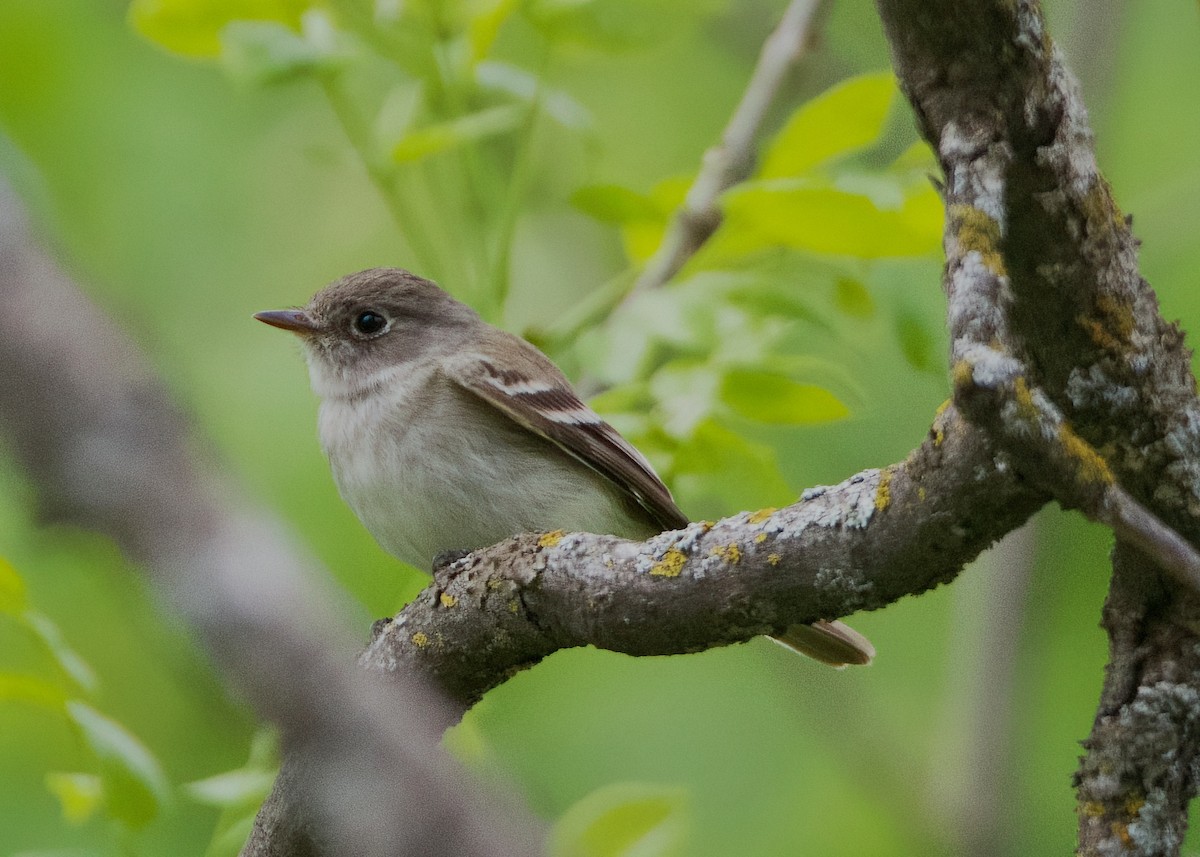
x: 446, y: 433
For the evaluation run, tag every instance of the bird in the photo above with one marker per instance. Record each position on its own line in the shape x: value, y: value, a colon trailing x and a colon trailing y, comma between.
x: 446, y: 434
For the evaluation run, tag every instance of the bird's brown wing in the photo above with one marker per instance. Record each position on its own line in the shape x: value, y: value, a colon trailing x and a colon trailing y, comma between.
x: 534, y: 393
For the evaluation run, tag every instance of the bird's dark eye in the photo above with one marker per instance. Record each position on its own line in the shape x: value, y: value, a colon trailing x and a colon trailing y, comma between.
x: 368, y: 322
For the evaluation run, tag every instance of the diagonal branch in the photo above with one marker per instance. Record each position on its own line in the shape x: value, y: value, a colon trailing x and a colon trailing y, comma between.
x: 996, y: 391
x: 105, y: 448
x: 732, y: 159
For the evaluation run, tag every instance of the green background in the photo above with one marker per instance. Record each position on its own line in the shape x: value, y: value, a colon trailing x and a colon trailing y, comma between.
x: 186, y: 201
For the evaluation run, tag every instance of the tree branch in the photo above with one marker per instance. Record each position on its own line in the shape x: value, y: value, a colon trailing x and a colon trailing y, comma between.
x: 1062, y: 357
x: 860, y: 545
x: 732, y: 159
x: 105, y: 449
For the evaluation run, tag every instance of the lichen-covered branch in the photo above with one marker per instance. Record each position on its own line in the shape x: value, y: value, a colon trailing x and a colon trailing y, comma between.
x: 859, y: 545
x: 994, y: 385
x: 1053, y: 328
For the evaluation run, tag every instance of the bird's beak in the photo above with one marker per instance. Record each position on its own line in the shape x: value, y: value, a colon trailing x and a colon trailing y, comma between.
x: 297, y: 321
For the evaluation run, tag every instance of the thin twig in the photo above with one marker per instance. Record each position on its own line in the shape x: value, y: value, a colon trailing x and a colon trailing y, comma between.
x: 732, y: 159
x: 1134, y: 523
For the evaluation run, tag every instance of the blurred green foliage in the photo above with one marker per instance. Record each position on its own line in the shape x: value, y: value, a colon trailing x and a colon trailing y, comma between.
x: 194, y: 161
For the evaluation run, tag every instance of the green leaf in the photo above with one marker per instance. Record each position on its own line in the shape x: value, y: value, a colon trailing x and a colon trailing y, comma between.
x: 31, y: 691
x: 917, y: 159
x: 485, y: 26
x: 772, y: 398
x: 12, y: 590
x: 717, y: 470
x: 852, y: 298
x: 823, y: 219
x: 841, y: 121
x: 231, y: 834
x: 643, y: 237
x: 916, y: 341
x: 624, y: 820
x: 135, y: 786
x: 232, y: 788
x: 68, y: 660
x: 615, y: 204
x: 193, y: 27
x: 239, y: 793
x: 434, y: 139
x: 78, y: 795
x: 768, y: 296
x: 262, y: 52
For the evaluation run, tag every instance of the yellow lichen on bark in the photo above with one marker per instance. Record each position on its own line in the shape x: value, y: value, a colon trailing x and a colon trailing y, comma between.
x: 883, y: 494
x: 963, y: 375
x: 976, y: 232
x: 761, y: 515
x: 671, y: 564
x: 1026, y: 409
x: 1090, y: 466
x: 729, y: 552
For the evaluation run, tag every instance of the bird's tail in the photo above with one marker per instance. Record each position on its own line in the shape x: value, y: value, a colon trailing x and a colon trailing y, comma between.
x: 833, y: 643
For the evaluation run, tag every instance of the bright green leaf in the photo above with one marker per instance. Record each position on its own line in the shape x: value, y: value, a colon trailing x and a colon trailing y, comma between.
x: 772, y: 398
x: 485, y: 26
x: 615, y: 204
x: 231, y: 834
x: 12, y: 590
x: 624, y: 820
x: 32, y: 691
x: 232, y: 788
x: 135, y: 786
x: 193, y: 27
x: 918, y: 158
x: 643, y: 237
x: 434, y: 139
x: 852, y: 298
x: 823, y: 219
x: 841, y: 121
x: 69, y: 660
x: 78, y: 795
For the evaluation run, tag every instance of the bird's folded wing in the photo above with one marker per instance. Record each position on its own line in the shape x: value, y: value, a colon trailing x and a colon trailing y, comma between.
x: 535, y: 394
